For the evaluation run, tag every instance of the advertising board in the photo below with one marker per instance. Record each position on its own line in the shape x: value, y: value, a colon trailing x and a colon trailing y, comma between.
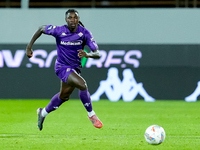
x: 127, y: 72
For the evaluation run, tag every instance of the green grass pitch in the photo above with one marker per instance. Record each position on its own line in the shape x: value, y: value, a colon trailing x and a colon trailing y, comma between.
x: 68, y: 128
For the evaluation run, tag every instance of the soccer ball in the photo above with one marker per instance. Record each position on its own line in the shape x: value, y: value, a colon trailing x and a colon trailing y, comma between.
x: 154, y: 134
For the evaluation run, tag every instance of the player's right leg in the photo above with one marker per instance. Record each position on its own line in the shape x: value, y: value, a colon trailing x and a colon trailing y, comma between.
x: 95, y: 121
x: 77, y: 81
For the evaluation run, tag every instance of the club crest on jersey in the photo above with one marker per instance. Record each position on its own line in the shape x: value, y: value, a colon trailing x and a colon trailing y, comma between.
x: 80, y: 34
x: 68, y: 69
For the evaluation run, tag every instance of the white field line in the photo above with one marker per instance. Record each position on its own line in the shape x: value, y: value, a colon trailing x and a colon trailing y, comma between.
x: 21, y: 135
x: 28, y: 135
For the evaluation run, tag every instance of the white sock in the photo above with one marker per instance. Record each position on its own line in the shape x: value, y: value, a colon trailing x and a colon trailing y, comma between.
x: 44, y: 112
x: 90, y: 114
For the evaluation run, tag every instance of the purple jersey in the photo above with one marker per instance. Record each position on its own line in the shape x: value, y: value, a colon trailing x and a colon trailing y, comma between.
x: 68, y: 43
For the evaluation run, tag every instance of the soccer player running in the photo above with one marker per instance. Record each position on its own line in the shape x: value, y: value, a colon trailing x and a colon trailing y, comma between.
x: 70, y: 40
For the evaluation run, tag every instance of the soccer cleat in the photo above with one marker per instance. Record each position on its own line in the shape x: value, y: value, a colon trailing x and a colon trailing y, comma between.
x: 95, y: 121
x: 40, y: 119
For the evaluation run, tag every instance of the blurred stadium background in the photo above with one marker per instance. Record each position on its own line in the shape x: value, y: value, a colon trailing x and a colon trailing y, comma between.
x: 99, y: 3
x: 158, y: 40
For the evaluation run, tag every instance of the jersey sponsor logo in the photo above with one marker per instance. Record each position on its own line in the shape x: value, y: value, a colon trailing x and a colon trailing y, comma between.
x: 79, y: 42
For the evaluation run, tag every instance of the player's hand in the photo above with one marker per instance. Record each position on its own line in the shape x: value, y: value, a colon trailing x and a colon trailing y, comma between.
x: 29, y: 52
x: 82, y: 53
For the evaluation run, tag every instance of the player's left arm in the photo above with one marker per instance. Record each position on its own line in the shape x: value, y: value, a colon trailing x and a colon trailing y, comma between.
x: 89, y: 40
x: 92, y: 54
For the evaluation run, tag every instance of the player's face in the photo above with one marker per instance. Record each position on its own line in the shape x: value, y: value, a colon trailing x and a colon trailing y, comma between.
x: 72, y: 20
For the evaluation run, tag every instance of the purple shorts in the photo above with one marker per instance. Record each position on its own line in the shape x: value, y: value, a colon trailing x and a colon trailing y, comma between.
x: 64, y: 71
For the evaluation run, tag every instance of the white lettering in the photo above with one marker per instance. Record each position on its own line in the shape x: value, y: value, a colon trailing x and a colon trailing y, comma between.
x: 36, y: 60
x: 13, y: 62
x: 1, y: 60
x: 135, y: 62
x: 97, y: 62
x: 43, y: 59
x: 110, y: 60
x: 50, y: 58
x: 71, y: 43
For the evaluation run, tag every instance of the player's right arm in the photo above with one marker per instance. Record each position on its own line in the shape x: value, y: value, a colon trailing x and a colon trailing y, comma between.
x: 29, y: 51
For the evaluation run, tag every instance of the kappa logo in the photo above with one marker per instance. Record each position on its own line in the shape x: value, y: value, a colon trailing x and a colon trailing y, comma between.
x: 92, y: 39
x: 87, y: 104
x: 115, y: 88
x: 56, y: 107
x: 64, y: 34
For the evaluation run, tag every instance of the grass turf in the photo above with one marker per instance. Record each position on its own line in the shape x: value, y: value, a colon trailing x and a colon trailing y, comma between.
x: 124, y: 125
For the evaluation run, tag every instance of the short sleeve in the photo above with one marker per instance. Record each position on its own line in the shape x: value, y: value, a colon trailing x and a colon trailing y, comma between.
x: 51, y: 30
x: 90, y: 41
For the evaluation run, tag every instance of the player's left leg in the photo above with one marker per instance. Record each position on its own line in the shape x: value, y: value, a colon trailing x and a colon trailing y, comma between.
x: 53, y: 105
x: 77, y: 81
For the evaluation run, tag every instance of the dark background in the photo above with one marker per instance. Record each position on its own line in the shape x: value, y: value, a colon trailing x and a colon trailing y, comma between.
x: 166, y: 71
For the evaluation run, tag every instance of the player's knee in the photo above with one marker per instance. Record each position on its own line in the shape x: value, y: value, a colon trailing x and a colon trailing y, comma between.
x: 83, y: 86
x: 64, y: 97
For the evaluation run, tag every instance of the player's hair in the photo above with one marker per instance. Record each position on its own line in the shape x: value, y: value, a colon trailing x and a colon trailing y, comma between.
x: 73, y: 10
